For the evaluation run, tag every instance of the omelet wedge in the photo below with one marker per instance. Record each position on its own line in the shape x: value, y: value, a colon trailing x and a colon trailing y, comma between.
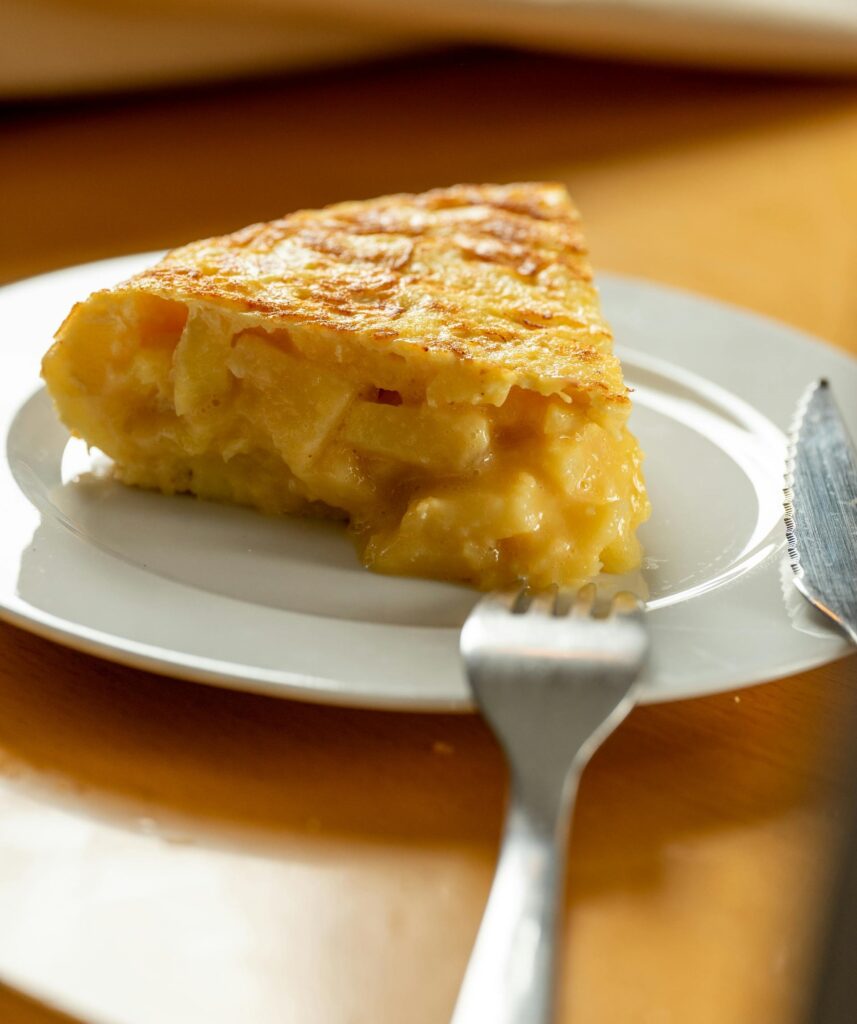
x: 434, y: 369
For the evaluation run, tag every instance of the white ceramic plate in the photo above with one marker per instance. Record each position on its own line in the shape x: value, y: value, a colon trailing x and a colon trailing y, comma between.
x: 282, y: 606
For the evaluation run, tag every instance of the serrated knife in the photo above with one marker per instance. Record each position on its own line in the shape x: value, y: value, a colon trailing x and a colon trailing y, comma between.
x: 821, y: 507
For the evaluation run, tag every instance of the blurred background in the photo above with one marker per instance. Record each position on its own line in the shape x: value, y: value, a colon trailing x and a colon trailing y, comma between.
x: 54, y: 46
x: 139, y: 124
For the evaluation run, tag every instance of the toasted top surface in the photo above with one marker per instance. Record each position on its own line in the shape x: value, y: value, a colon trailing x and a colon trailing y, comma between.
x: 496, y: 275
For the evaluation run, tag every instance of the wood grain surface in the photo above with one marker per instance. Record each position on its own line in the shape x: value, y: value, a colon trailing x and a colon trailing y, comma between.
x: 172, y: 853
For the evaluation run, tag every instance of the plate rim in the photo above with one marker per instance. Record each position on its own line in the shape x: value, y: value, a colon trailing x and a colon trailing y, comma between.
x: 287, y: 684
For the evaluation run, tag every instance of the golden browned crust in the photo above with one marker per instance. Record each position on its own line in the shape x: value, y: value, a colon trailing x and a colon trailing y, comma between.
x: 496, y: 275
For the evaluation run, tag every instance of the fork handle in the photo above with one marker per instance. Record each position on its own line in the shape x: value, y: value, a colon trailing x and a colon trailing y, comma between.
x: 510, y: 978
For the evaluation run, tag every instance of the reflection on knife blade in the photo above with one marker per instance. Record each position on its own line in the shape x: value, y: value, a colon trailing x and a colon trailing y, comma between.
x: 821, y: 507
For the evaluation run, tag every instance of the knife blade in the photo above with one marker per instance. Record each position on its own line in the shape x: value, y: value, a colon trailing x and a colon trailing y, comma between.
x: 820, y: 499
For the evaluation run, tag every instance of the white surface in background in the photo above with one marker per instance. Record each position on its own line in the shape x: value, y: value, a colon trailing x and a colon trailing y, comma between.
x: 49, y: 48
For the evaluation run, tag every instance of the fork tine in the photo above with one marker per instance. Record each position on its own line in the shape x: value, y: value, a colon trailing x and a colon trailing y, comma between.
x: 584, y: 601
x: 564, y: 601
x: 561, y: 604
x: 625, y: 604
x: 543, y: 602
x: 510, y: 599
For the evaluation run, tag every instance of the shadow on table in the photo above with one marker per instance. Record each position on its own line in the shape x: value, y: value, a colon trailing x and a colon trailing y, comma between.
x: 221, y: 768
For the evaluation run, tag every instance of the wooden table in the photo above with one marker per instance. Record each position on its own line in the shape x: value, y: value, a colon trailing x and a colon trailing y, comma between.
x: 175, y: 854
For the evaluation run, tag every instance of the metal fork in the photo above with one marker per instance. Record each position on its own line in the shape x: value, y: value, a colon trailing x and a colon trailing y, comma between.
x: 553, y: 681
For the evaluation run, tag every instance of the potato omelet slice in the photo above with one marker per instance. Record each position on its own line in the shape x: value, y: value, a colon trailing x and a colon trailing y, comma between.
x: 432, y: 368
